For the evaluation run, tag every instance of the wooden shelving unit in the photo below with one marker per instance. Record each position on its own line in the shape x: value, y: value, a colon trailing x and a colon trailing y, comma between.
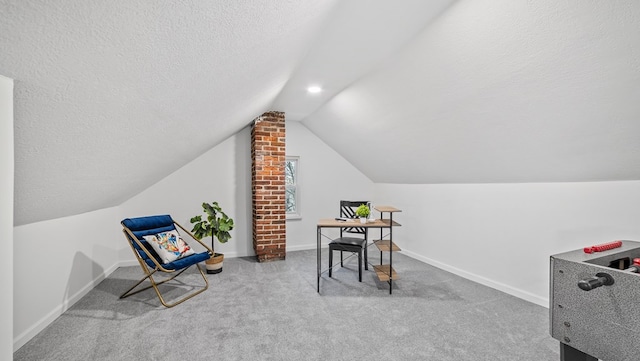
x: 385, y: 272
x: 385, y: 245
x: 382, y: 271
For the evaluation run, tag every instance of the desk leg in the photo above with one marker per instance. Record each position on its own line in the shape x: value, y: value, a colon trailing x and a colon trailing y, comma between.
x: 318, y: 259
x: 390, y: 253
x: 390, y: 271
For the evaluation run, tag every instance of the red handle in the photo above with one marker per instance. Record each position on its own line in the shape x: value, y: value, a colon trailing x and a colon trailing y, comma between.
x: 603, y: 247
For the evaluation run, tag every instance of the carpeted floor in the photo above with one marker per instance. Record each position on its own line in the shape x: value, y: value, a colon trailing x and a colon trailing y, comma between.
x: 271, y: 311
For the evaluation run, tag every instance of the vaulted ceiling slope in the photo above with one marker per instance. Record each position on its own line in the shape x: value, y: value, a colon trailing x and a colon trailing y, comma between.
x: 439, y: 91
x: 500, y: 91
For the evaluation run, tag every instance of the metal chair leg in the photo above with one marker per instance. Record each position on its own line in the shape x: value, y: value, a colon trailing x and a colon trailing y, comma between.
x: 330, y: 261
x: 366, y: 258
x: 360, y: 266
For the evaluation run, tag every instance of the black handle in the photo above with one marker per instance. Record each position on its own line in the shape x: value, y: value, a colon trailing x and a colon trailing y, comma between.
x: 600, y: 279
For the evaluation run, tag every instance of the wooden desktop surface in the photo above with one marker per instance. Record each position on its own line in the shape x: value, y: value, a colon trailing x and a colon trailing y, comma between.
x: 384, y: 272
x: 376, y: 223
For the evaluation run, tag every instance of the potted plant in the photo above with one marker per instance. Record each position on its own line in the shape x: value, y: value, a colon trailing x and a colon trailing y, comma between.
x: 363, y: 212
x: 217, y: 225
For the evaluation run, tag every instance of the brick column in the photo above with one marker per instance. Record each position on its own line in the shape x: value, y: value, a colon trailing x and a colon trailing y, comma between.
x: 267, y: 186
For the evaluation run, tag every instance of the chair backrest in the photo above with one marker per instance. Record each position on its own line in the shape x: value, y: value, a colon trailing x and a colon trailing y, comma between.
x: 348, y: 210
x: 144, y: 226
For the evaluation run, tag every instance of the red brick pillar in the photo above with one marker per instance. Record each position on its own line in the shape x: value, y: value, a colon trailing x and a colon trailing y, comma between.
x: 267, y: 186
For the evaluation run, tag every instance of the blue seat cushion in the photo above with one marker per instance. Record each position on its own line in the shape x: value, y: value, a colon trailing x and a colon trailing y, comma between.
x: 144, y: 226
x: 152, y: 225
x: 187, y: 261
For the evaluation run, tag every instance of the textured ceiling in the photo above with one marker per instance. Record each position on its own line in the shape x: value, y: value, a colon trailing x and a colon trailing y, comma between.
x: 500, y: 91
x: 112, y: 96
x: 434, y: 91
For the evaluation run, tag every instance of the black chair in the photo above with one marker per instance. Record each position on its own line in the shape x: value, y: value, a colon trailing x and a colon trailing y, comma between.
x: 346, y: 242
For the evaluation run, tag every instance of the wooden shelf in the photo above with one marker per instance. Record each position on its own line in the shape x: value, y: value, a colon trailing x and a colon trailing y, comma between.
x: 387, y: 221
x: 386, y: 209
x: 383, y: 246
x: 382, y: 271
x: 384, y: 243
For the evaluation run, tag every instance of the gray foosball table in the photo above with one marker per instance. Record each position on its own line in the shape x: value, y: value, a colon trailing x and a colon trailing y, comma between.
x: 594, y: 303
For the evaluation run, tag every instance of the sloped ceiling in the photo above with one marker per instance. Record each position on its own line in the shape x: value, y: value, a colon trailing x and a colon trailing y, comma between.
x: 500, y: 91
x: 112, y: 96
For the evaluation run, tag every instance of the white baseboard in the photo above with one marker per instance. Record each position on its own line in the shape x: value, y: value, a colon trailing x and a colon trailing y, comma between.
x: 527, y: 296
x: 127, y: 263
x: 303, y: 247
x: 24, y: 337
x: 32, y: 331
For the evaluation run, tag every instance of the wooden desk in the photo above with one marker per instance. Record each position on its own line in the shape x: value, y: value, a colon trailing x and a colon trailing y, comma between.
x: 384, y: 272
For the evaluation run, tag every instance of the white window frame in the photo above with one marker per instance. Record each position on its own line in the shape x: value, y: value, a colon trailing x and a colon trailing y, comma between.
x: 295, y: 214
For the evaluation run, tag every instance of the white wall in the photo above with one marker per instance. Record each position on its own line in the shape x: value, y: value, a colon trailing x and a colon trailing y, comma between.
x: 75, y: 253
x: 56, y: 262
x: 325, y: 178
x: 222, y: 174
x: 6, y: 210
x: 498, y: 234
x: 502, y: 235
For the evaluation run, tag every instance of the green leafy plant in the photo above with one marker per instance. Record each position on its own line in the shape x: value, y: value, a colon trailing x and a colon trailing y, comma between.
x: 216, y: 225
x: 363, y: 211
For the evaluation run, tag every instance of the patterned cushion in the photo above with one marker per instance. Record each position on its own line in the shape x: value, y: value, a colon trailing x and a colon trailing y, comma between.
x: 169, y: 246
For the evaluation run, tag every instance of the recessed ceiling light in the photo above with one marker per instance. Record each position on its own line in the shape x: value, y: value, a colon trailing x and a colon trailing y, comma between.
x: 314, y: 89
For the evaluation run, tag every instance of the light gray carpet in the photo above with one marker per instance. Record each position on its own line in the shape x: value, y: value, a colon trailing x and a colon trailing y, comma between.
x: 271, y: 311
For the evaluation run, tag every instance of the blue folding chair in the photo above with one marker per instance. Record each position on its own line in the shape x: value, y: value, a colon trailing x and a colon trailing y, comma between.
x: 135, y: 229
